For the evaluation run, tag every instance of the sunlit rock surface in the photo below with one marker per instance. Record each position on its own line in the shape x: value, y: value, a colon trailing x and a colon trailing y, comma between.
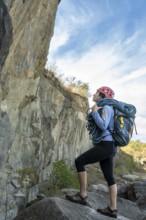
x: 39, y: 121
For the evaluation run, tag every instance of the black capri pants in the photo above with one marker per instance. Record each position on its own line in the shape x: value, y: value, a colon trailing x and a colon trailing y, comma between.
x: 103, y: 153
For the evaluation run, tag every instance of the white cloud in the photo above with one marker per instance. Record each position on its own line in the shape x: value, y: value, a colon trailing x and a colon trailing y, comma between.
x: 118, y: 63
x: 71, y: 19
x: 109, y: 7
x: 134, y: 75
x: 59, y: 40
x: 97, y: 67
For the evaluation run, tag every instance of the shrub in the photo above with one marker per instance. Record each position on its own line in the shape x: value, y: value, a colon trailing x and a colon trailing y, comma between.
x: 62, y: 177
x: 70, y: 84
x: 76, y: 86
x: 125, y: 164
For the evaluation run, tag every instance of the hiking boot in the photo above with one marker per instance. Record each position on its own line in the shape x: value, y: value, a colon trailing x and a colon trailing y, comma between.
x: 77, y: 198
x: 108, y: 212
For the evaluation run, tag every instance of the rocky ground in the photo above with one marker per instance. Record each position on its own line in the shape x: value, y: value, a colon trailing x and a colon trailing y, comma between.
x: 131, y: 202
x: 58, y: 208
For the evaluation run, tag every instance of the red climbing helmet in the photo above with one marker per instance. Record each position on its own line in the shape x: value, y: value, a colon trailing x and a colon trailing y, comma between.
x: 108, y: 92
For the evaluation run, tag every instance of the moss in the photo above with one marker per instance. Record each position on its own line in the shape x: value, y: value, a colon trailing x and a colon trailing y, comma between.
x: 30, y: 173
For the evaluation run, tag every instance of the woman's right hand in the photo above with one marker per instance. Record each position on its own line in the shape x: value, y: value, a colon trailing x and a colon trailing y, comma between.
x: 95, y: 108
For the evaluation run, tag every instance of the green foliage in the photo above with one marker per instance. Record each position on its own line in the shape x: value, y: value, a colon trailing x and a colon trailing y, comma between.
x: 138, y: 146
x: 126, y: 164
x: 62, y: 177
x: 129, y: 162
x: 137, y: 150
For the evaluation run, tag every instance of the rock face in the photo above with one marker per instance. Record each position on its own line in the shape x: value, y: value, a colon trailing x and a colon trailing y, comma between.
x: 39, y: 121
x: 5, y: 33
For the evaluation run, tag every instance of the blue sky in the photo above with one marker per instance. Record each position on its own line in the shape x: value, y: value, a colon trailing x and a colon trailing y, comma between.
x: 103, y: 42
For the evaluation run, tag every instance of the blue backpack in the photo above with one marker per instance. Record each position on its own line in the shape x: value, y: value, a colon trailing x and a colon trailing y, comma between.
x: 124, y: 122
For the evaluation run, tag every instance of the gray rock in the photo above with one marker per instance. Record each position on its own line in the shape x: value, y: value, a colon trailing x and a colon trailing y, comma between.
x: 6, y: 137
x: 141, y: 202
x: 130, y: 177
x: 5, y: 33
x: 54, y: 208
x: 123, y: 190
x: 99, y: 187
x: 135, y: 192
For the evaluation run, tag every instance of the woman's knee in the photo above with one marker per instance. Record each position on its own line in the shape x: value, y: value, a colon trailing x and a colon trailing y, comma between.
x: 79, y: 163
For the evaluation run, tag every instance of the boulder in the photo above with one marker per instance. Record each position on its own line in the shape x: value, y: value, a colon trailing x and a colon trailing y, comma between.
x: 130, y: 177
x: 99, y: 187
x: 135, y: 192
x: 55, y: 208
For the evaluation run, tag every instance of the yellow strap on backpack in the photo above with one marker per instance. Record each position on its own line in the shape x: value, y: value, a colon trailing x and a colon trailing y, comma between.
x: 121, y: 122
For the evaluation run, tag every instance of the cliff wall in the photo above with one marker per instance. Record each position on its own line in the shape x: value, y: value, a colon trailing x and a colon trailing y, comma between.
x: 39, y: 121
